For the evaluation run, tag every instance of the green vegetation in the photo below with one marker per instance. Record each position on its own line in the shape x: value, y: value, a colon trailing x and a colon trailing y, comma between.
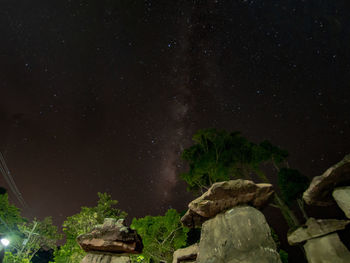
x: 220, y: 156
x: 292, y: 185
x: 83, y: 222
x: 26, y: 237
x: 161, y: 236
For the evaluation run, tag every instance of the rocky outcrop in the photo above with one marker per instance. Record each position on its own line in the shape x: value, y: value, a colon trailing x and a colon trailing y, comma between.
x: 186, y: 255
x: 241, y: 234
x: 316, y: 228
x: 342, y: 196
x: 322, y: 243
x: 113, y: 236
x: 224, y: 195
x: 321, y: 187
x: 110, y: 242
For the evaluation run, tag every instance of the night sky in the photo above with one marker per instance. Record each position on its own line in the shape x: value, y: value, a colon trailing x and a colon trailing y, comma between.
x: 103, y: 95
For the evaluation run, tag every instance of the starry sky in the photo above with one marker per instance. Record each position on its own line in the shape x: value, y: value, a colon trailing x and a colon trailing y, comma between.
x: 103, y: 95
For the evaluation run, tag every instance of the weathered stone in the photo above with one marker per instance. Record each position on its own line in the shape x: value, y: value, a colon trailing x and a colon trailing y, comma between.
x: 321, y: 187
x: 342, y: 196
x: 113, y: 236
x: 326, y: 249
x: 105, y: 258
x: 241, y: 234
x: 315, y: 228
x: 225, y: 195
x: 188, y: 254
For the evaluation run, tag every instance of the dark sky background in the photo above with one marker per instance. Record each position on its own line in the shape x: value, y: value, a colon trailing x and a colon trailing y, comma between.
x: 103, y: 95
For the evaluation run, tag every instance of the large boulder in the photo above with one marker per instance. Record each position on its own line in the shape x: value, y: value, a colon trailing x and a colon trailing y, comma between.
x: 321, y: 187
x: 113, y: 236
x: 326, y: 249
x: 187, y: 254
x: 104, y: 258
x: 316, y: 228
x: 241, y: 234
x: 225, y: 195
x: 342, y: 196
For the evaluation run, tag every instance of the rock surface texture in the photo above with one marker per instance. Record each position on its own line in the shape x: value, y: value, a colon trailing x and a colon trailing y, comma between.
x: 224, y: 195
x: 103, y: 258
x: 326, y: 249
x: 342, y: 196
x: 188, y: 254
x: 321, y: 187
x: 113, y: 236
x: 316, y: 228
x: 241, y: 234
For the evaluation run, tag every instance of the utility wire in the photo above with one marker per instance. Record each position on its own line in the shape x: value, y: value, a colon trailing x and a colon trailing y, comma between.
x: 9, y: 179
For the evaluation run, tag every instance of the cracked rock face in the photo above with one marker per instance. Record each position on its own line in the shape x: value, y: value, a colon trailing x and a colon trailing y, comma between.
x: 241, y: 234
x: 321, y: 187
x: 112, y: 236
x: 225, y: 195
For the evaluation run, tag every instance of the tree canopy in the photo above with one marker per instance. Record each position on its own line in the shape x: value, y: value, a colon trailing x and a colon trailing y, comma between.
x: 220, y: 156
x: 161, y: 235
x: 83, y: 222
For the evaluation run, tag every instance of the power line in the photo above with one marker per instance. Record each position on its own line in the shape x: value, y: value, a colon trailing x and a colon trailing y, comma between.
x: 9, y: 179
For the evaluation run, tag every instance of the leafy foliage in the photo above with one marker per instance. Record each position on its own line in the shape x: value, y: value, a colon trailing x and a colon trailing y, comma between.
x: 161, y: 235
x: 13, y: 258
x: 292, y: 184
x: 220, y: 156
x: 9, y: 215
x: 83, y: 222
x: 33, y: 236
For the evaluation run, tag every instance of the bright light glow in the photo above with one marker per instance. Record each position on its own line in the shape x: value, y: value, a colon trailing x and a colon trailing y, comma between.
x: 5, y: 242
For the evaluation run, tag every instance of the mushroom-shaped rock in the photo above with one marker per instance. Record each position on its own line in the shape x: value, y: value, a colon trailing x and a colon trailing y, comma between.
x: 113, y: 237
x: 222, y: 196
x: 316, y: 228
x: 322, y: 243
x: 321, y: 187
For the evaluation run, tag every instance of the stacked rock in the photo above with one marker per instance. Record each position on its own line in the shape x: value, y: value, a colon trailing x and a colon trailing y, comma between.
x: 111, y: 242
x: 322, y: 241
x: 232, y: 229
x: 332, y: 186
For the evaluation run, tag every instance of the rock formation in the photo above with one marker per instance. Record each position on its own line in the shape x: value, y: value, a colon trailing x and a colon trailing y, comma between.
x: 322, y: 243
x: 186, y: 255
x: 342, y: 196
x: 240, y: 234
x: 321, y: 187
x: 224, y: 195
x: 110, y: 243
x: 316, y: 228
x: 232, y: 229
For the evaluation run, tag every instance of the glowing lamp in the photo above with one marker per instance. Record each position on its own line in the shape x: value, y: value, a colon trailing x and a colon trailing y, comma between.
x: 5, y: 242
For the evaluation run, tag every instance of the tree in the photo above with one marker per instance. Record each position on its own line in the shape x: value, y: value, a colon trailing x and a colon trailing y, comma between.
x: 292, y: 185
x: 83, y: 222
x: 30, y: 238
x: 161, y: 235
x: 220, y: 156
x: 9, y: 216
